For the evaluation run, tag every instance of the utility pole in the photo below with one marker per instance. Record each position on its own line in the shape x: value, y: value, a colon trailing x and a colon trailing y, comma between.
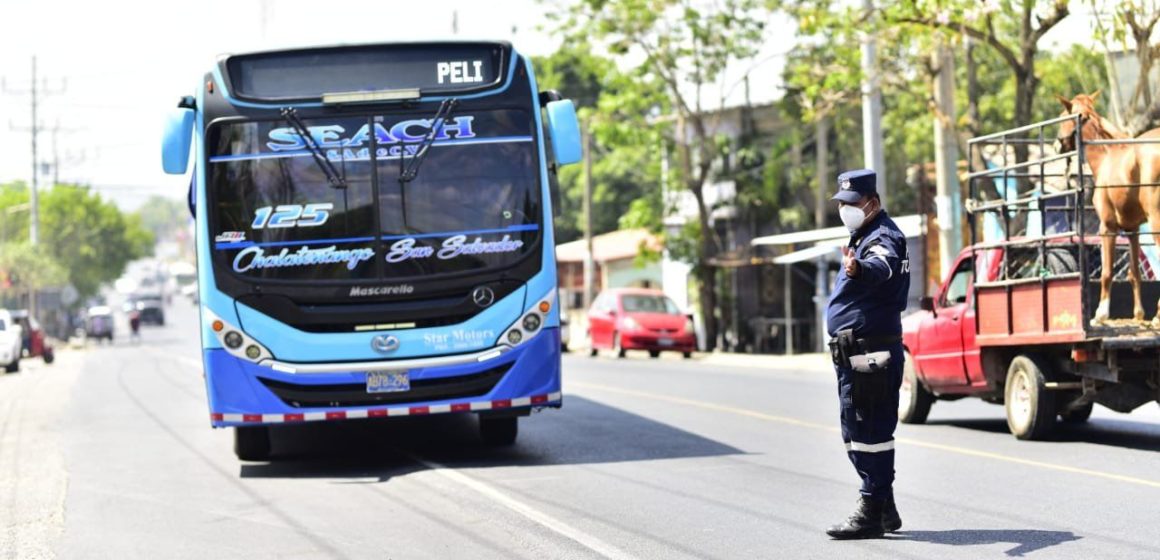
x: 35, y: 91
x: 821, y: 279
x: 589, y: 263
x: 872, y: 155
x: 946, y: 156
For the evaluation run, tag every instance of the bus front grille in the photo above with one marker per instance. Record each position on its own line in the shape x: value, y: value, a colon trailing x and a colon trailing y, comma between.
x: 355, y: 394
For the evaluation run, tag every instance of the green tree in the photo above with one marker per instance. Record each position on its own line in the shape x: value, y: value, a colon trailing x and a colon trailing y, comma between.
x: 88, y: 236
x: 1117, y: 21
x: 684, y: 46
x: 1011, y: 28
x: 162, y: 215
x: 625, y: 164
x: 24, y: 269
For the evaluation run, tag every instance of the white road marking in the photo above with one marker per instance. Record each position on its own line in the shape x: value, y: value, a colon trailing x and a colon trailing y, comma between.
x: 591, y: 542
x: 908, y: 441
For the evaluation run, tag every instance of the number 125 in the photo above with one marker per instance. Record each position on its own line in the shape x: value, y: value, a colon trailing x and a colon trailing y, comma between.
x: 291, y: 215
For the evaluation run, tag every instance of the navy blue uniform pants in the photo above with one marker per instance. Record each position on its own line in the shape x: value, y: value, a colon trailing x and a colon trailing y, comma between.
x: 868, y: 429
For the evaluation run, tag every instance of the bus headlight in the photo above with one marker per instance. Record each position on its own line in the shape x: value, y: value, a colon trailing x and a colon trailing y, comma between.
x: 235, y: 340
x: 530, y: 323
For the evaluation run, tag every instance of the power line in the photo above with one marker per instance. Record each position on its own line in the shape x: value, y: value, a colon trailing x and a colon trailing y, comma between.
x: 35, y: 91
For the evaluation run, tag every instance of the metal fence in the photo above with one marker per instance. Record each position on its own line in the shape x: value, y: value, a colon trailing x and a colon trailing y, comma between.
x: 1039, y: 208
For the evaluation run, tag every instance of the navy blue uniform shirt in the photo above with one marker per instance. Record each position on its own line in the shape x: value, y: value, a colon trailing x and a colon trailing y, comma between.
x: 872, y: 302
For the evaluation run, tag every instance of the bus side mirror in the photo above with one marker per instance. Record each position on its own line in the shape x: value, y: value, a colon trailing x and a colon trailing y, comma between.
x: 565, y: 130
x: 177, y: 139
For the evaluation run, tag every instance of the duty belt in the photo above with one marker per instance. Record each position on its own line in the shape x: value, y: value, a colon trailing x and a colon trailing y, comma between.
x: 870, y: 342
x: 844, y: 345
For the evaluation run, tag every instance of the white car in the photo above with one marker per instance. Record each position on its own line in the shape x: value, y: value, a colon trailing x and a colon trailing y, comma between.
x: 11, y: 342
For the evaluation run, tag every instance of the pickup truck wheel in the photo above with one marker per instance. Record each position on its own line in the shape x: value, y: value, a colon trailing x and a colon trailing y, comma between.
x: 252, y: 443
x: 1030, y: 406
x: 1077, y: 415
x: 913, y: 399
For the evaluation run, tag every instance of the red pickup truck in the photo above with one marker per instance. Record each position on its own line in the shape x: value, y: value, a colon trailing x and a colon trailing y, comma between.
x: 1025, y: 341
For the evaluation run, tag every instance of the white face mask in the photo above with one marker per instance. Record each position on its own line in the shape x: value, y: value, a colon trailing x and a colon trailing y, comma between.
x: 852, y: 217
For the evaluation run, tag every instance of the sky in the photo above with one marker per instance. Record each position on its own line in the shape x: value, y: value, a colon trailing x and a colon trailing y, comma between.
x: 114, y: 68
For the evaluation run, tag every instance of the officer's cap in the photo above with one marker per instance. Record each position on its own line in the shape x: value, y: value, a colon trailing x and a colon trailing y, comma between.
x: 853, y: 185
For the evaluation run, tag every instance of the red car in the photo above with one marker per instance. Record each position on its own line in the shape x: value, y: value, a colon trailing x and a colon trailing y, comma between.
x: 34, y: 343
x: 623, y: 319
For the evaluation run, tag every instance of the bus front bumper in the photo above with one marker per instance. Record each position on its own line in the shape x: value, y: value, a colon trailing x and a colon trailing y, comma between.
x: 521, y: 379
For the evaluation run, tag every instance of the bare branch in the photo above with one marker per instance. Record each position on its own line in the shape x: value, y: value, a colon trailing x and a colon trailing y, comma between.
x: 987, y: 37
x: 1045, y: 25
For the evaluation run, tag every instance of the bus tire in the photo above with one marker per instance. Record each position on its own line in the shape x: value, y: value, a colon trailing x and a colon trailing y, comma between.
x: 1077, y: 415
x: 1030, y: 406
x: 616, y: 345
x: 914, y: 401
x: 499, y: 431
x: 252, y: 443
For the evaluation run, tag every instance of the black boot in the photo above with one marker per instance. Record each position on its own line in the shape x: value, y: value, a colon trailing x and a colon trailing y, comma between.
x: 865, y: 523
x: 891, y: 522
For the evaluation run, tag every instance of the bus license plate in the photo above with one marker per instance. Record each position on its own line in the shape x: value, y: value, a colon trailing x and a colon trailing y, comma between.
x: 665, y: 341
x: 388, y: 381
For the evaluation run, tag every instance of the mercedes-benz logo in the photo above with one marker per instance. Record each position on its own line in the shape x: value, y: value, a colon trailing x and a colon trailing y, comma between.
x: 385, y: 343
x: 483, y: 296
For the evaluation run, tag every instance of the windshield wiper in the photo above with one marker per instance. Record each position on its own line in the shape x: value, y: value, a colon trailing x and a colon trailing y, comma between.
x: 410, y: 171
x: 333, y: 177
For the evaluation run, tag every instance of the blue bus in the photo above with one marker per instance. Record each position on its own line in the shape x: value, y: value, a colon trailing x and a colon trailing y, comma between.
x: 374, y: 234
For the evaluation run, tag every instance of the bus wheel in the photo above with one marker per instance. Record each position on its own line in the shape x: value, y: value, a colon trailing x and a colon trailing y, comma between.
x: 913, y: 399
x: 252, y: 443
x: 1030, y: 406
x: 1077, y: 415
x: 499, y: 431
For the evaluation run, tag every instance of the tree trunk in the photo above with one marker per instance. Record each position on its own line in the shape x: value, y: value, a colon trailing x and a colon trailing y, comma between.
x: 706, y: 272
x: 973, y: 118
x: 1025, y: 86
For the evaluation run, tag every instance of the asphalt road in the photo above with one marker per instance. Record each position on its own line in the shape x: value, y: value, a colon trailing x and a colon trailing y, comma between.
x: 108, y: 454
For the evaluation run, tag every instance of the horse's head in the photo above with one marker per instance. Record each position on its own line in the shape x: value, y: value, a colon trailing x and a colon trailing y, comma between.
x: 1084, y: 106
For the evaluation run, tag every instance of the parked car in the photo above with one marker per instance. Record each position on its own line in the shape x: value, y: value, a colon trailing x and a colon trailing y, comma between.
x: 99, y: 323
x: 11, y: 341
x: 623, y: 319
x: 35, y: 343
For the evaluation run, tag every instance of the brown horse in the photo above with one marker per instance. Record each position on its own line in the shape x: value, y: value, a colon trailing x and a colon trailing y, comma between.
x: 1122, y: 204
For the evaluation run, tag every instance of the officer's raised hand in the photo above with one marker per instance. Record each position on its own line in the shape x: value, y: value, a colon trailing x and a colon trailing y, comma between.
x: 850, y: 262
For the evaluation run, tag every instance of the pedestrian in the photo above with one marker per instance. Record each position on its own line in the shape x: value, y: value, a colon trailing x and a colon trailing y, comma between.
x: 134, y: 325
x: 864, y: 321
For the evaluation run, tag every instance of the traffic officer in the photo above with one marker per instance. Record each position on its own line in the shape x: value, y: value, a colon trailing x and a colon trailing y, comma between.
x: 864, y: 320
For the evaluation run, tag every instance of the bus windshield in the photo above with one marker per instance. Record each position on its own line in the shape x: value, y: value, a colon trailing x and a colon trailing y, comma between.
x: 474, y: 206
